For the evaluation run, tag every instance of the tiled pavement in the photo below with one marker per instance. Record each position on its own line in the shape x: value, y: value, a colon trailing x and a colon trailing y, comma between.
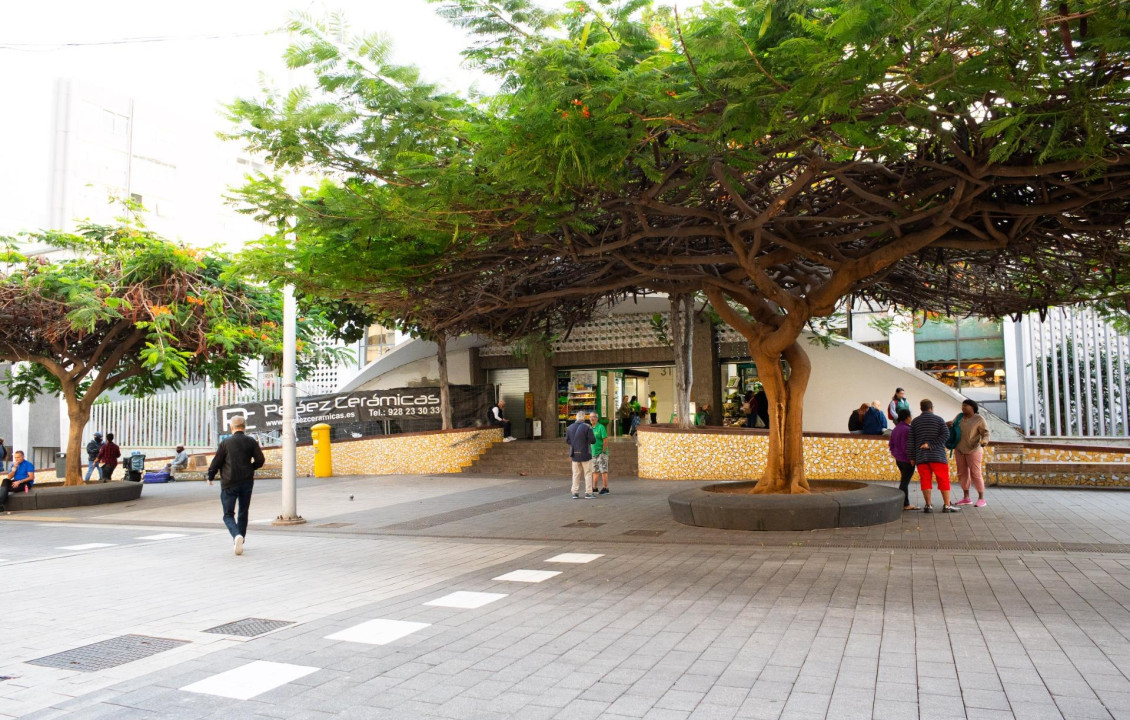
x: 935, y: 616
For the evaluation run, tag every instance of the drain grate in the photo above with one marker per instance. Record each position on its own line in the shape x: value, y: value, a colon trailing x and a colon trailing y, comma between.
x: 249, y: 627
x: 644, y: 533
x: 583, y: 525
x: 334, y: 525
x: 108, y: 653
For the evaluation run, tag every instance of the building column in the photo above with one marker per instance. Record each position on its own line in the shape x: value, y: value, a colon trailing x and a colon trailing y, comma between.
x: 543, y: 384
x: 705, y: 373
x: 478, y: 376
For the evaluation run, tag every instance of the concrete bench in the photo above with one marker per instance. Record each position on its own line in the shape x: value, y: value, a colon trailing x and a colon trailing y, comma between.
x: 64, y: 496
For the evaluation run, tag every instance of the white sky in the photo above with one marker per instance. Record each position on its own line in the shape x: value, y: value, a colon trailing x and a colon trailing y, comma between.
x: 197, y: 75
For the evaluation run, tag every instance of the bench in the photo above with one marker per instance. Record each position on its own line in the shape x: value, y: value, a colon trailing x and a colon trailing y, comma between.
x: 1084, y: 473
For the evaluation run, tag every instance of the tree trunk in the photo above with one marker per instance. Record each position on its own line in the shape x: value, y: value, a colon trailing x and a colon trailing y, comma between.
x: 444, y: 383
x: 784, y: 466
x: 78, y: 415
x: 682, y: 328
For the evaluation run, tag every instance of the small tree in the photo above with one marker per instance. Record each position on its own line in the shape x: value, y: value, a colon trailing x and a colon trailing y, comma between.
x: 128, y: 310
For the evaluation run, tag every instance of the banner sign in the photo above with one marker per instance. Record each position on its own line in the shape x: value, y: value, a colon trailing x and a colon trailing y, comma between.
x: 357, y: 408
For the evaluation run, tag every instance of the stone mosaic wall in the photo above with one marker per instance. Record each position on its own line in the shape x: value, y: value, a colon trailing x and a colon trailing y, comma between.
x: 698, y: 455
x: 1033, y: 474
x: 740, y: 456
x: 419, y: 453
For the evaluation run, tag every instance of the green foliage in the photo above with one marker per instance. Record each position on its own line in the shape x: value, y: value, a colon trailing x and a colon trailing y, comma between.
x: 124, y: 308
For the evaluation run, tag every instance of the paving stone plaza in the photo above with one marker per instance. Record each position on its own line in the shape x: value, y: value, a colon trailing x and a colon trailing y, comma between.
x: 457, y: 597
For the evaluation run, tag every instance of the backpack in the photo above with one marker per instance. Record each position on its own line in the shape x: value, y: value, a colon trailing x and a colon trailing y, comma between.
x: 955, y: 433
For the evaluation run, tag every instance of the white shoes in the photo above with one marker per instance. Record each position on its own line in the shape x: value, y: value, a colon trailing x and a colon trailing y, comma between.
x: 509, y: 439
x: 238, y: 544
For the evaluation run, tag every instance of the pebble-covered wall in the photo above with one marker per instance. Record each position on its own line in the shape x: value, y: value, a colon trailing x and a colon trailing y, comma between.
x: 737, y: 455
x: 422, y: 453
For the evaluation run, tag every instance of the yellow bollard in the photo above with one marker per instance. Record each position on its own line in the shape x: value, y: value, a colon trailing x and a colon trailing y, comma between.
x: 323, y: 455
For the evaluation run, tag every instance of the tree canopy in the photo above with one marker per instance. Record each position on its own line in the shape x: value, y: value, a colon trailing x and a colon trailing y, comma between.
x: 118, y: 307
x: 951, y: 156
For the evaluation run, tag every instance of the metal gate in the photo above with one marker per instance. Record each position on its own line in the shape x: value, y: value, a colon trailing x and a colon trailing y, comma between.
x: 512, y: 385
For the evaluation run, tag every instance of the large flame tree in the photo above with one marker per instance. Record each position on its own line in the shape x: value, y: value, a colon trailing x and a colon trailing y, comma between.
x: 780, y: 156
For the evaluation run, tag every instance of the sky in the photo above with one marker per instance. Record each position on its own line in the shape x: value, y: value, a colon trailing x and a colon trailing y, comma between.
x: 207, y: 52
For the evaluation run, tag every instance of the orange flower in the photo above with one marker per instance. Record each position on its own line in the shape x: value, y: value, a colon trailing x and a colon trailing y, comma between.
x: 159, y: 310
x: 585, y: 112
x: 264, y: 337
x: 672, y: 93
x: 193, y: 300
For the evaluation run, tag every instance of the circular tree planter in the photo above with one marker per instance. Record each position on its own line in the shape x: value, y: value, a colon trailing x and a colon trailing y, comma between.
x: 64, y: 496
x: 832, y: 503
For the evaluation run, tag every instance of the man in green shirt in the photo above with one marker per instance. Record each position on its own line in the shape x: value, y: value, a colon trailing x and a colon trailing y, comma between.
x: 599, y: 454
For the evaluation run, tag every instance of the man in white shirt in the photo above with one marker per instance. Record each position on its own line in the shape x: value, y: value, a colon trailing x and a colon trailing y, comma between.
x: 497, y: 419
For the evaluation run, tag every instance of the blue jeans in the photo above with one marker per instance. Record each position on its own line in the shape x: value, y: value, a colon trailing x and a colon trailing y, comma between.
x: 228, y: 498
x: 90, y: 469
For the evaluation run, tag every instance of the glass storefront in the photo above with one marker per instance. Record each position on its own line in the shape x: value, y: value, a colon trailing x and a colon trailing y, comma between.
x: 967, y: 355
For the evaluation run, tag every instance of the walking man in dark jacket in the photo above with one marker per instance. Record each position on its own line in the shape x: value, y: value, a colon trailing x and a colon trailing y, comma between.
x: 236, y: 461
x: 926, y: 447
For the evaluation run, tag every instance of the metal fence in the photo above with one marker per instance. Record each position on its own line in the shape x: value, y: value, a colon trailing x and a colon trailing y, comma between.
x: 184, y: 418
x: 1076, y: 367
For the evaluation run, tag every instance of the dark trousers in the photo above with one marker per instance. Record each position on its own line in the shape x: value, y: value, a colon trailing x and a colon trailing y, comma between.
x: 505, y: 428
x: 907, y: 470
x: 228, y: 498
x: 6, y: 489
x: 653, y: 418
x: 108, y: 470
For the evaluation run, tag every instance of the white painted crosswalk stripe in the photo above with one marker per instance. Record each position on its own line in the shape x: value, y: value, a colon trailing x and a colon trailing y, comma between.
x: 528, y: 576
x: 466, y: 600
x: 575, y: 557
x: 247, y: 681
x: 378, y: 632
x: 162, y: 536
x: 87, y: 546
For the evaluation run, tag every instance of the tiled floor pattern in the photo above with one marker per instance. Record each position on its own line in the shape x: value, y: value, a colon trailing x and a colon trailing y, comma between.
x: 258, y: 677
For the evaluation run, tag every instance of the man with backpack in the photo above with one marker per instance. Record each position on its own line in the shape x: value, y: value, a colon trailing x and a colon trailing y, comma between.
x: 92, y: 449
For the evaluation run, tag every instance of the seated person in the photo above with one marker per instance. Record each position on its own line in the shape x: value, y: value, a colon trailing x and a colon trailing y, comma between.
x: 874, y: 421
x: 855, y: 421
x: 702, y: 417
x: 495, y: 418
x: 180, y: 462
x: 19, y: 479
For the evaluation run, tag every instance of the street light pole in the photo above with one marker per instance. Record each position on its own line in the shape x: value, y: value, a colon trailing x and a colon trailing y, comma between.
x: 289, y: 514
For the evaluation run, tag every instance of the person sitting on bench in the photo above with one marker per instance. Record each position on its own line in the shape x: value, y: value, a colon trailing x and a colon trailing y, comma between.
x: 19, y: 479
x: 180, y: 462
x: 495, y: 418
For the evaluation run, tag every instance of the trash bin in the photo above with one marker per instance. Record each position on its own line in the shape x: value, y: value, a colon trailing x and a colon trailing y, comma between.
x: 61, y: 465
x: 135, y: 467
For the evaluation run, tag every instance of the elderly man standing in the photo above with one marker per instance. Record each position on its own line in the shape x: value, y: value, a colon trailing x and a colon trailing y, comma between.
x: 580, y: 438
x: 236, y: 461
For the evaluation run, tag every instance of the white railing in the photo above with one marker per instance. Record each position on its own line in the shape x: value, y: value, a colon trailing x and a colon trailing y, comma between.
x: 1075, y: 370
